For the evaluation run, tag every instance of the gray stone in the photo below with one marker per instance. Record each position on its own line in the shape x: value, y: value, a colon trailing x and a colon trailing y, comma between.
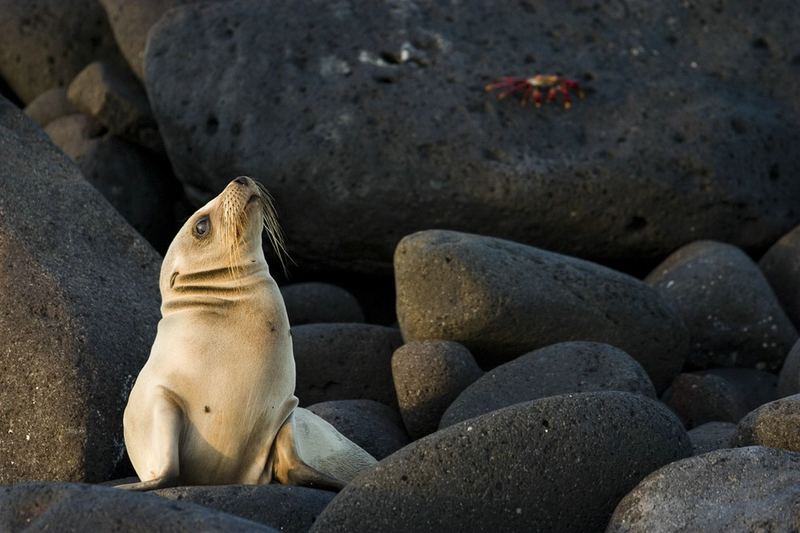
x: 131, y: 23
x: 428, y: 376
x: 80, y: 301
x: 374, y: 426
x: 49, y: 106
x: 775, y: 425
x: 744, y: 489
x: 285, y: 508
x: 719, y: 394
x: 733, y: 316
x: 517, y: 469
x: 45, y: 43
x: 76, y: 507
x: 116, y: 99
x: 74, y: 134
x: 502, y: 299
x: 312, y: 303
x: 789, y: 378
x: 781, y: 267
x: 370, y: 110
x: 344, y: 362
x: 712, y: 436
x: 558, y: 369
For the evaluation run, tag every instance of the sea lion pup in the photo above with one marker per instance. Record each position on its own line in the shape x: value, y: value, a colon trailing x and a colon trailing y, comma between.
x: 215, y: 404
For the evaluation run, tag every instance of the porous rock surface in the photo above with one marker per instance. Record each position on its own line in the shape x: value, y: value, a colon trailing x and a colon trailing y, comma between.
x: 742, y: 489
x: 733, y: 315
x: 428, y: 376
x: 286, y: 508
x: 374, y: 426
x: 516, y: 469
x: 688, y: 131
x: 502, y: 299
x: 344, y: 362
x: 550, y: 371
x: 78, y: 507
x: 80, y: 303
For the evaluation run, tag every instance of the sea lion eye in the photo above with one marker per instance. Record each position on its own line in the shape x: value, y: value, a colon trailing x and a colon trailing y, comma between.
x: 202, y: 227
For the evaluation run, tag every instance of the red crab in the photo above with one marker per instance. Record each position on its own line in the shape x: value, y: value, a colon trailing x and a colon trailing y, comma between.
x: 532, y: 88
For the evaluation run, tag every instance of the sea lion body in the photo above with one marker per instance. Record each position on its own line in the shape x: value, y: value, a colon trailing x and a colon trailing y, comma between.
x: 215, y: 404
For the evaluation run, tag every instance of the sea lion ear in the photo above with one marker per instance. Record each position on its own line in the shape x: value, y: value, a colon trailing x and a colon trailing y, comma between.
x: 308, y: 451
x: 172, y: 279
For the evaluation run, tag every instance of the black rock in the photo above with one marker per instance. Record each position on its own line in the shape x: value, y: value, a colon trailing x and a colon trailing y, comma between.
x: 781, y: 266
x: 557, y: 369
x: 80, y: 301
x: 517, y: 469
x: 743, y: 489
x: 76, y: 507
x: 687, y: 133
x: 775, y: 424
x: 313, y: 303
x: 45, y: 43
x: 428, y: 376
x: 344, y: 362
x: 719, y: 394
x: 49, y: 106
x: 712, y: 436
x: 733, y: 316
x: 789, y: 378
x: 502, y: 299
x: 285, y: 508
x: 374, y: 426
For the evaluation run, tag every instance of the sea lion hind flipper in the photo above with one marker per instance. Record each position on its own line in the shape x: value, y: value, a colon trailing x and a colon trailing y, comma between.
x: 310, y: 452
x: 153, y: 484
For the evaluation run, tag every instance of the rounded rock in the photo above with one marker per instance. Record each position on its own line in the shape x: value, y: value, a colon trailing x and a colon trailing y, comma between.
x: 712, y: 436
x: 344, y: 362
x: 775, y: 425
x: 314, y: 303
x: 789, y: 378
x: 428, y: 376
x: 741, y: 489
x: 76, y: 507
x: 374, y: 426
x: 49, y: 106
x: 719, y: 394
x: 285, y: 508
x: 558, y: 369
x: 516, y: 469
x: 502, y: 299
x: 733, y: 315
x: 781, y: 267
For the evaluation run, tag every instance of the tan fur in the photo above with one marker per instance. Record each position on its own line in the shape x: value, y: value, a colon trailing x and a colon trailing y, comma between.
x: 219, y: 383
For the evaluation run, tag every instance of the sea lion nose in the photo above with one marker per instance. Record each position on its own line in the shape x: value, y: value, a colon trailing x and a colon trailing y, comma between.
x: 241, y: 180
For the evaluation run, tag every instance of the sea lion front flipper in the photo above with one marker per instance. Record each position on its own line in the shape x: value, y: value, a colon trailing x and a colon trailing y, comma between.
x: 310, y: 452
x: 152, y: 435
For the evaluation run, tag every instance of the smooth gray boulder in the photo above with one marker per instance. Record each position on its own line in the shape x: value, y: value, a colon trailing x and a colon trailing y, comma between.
x: 374, y: 426
x: 370, y: 110
x: 49, y: 106
x: 428, y: 376
x: 79, y: 293
x: 45, y: 43
x: 313, y: 303
x: 555, y: 464
x: 742, y: 489
x: 775, y: 424
x: 286, y: 508
x: 781, y: 266
x: 719, y: 394
x: 344, y: 362
x: 712, y: 436
x: 557, y: 369
x: 789, y: 377
x: 733, y: 315
x: 502, y: 299
x: 78, y: 507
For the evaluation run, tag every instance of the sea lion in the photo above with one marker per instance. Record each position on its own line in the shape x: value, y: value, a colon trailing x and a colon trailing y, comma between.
x: 215, y: 404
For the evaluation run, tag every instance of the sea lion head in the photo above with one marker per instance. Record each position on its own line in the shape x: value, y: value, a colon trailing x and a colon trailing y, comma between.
x: 222, y: 239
